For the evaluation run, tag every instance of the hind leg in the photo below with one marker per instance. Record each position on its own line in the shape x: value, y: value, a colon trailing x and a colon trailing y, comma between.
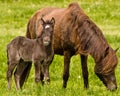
x: 11, y: 67
x: 17, y: 74
x: 20, y: 74
x: 17, y: 80
x: 84, y: 71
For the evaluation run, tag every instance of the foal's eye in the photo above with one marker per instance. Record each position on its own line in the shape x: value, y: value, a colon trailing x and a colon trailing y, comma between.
x: 51, y: 31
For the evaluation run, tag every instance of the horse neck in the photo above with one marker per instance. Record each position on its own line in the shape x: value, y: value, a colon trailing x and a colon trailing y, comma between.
x: 92, y: 40
x: 49, y: 49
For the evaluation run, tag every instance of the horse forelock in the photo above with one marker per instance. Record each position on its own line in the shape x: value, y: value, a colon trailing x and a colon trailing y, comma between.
x: 110, y: 62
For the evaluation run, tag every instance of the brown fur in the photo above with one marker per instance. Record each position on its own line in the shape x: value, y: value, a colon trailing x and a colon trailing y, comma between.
x: 76, y: 33
x: 21, y: 50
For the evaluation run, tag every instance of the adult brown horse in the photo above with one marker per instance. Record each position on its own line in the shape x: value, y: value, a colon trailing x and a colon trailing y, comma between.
x: 75, y: 33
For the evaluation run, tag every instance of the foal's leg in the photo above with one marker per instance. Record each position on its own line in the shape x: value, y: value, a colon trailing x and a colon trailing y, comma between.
x: 21, y: 73
x: 67, y: 57
x: 11, y: 67
x: 46, y: 70
x: 84, y: 70
x: 42, y: 74
x: 37, y: 65
x: 46, y: 73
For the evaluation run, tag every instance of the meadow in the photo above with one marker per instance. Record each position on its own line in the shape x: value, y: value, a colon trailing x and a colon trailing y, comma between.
x: 14, y: 15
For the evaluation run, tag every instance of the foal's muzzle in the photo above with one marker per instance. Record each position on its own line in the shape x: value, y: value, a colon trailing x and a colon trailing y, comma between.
x: 46, y: 41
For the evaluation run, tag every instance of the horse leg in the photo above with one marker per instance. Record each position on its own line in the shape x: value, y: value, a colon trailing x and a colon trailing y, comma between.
x: 45, y: 70
x: 23, y: 70
x: 17, y: 74
x: 17, y: 80
x: 67, y: 57
x: 11, y: 67
x: 46, y: 73
x: 84, y: 70
x: 37, y: 65
x: 41, y: 77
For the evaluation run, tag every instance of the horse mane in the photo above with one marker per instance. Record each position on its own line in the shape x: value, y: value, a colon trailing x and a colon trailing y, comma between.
x: 91, y: 38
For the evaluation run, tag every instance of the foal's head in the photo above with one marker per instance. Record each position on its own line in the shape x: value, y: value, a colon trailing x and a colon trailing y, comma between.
x: 47, y: 31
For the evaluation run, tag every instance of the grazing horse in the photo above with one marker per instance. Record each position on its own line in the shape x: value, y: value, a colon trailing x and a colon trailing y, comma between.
x: 39, y: 50
x: 75, y: 33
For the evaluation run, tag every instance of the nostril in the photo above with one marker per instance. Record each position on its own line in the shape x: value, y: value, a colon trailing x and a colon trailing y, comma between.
x: 46, y: 38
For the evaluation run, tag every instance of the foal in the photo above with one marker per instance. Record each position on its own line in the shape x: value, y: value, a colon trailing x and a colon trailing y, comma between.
x: 39, y: 51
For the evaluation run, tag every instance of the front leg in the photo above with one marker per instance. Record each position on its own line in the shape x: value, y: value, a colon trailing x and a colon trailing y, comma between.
x: 46, y: 73
x: 46, y: 66
x: 37, y: 65
x: 67, y: 57
x: 84, y: 70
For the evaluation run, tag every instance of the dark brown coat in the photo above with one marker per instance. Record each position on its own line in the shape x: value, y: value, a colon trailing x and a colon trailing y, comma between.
x: 40, y: 51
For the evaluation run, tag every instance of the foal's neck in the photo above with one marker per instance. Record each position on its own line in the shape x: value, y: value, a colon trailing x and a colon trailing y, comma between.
x: 48, y: 49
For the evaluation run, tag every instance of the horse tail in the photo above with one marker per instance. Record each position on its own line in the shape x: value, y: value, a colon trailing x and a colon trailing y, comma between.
x: 7, y: 55
x: 26, y: 70
x: 26, y: 66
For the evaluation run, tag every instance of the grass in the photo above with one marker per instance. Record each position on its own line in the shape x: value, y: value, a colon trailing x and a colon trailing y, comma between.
x: 14, y: 15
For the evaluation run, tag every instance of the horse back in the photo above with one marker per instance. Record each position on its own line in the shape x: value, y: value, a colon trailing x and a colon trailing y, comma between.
x: 65, y: 30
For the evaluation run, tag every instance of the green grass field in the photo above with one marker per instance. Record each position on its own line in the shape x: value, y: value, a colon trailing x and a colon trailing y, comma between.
x: 14, y: 15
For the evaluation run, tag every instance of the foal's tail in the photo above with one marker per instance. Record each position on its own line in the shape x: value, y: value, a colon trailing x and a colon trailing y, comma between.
x: 26, y: 70
x: 26, y: 66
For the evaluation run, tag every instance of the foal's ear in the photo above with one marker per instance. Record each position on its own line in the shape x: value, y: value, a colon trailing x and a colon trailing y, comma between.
x: 42, y: 21
x: 106, y: 51
x: 52, y: 21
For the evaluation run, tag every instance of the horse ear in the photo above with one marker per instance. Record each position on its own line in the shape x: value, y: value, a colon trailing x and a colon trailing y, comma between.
x: 106, y: 51
x: 116, y: 49
x: 53, y: 21
x: 42, y: 21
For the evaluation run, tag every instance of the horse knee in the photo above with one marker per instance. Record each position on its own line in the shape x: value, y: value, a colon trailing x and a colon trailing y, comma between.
x: 9, y: 74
